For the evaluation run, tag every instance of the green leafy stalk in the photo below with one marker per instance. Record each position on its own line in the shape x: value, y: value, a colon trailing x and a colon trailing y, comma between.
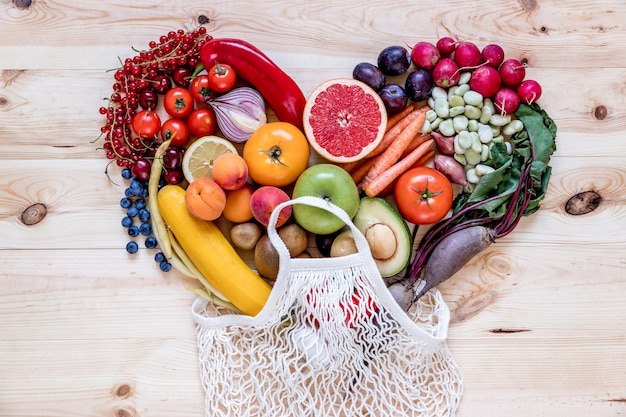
x: 513, y: 190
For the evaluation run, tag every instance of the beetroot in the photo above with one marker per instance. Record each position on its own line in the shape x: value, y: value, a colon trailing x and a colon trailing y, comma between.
x: 485, y: 80
x: 467, y: 55
x: 446, y: 73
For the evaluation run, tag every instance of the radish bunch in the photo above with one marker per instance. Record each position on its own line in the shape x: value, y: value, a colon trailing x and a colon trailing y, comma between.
x: 493, y: 76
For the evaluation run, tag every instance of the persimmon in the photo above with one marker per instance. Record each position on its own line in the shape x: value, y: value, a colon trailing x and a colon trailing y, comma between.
x: 205, y: 199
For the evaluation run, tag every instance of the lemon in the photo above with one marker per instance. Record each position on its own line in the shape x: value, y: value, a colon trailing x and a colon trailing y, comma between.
x: 201, y: 154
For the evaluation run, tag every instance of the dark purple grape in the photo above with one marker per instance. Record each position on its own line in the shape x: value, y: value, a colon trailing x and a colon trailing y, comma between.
x: 394, y: 60
x: 370, y: 74
x: 172, y: 158
x: 418, y: 85
x: 394, y: 98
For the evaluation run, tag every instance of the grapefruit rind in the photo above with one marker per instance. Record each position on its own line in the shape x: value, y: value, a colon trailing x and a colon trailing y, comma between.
x: 344, y: 120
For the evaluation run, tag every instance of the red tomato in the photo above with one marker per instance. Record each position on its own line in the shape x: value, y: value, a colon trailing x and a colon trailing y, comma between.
x: 146, y: 124
x: 222, y: 77
x: 176, y: 130
x: 178, y: 102
x: 202, y: 122
x: 423, y: 195
x: 200, y: 88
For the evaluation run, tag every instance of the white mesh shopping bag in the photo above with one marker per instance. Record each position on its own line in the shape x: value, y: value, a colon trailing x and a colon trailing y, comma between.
x: 330, y: 341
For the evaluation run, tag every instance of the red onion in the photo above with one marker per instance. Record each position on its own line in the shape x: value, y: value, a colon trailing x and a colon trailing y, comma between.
x: 239, y: 113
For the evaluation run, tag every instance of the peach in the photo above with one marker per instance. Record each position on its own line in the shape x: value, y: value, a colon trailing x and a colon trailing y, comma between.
x: 237, y: 208
x: 264, y: 200
x: 205, y: 199
x: 230, y: 171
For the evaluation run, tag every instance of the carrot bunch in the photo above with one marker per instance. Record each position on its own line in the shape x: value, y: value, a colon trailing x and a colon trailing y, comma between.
x: 403, y: 146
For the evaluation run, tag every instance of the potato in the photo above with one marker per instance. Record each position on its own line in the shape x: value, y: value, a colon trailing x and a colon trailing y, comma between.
x: 343, y: 244
x: 295, y: 238
x: 245, y: 235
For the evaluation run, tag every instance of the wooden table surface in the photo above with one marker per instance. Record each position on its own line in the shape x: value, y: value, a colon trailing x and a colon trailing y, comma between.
x: 538, y: 320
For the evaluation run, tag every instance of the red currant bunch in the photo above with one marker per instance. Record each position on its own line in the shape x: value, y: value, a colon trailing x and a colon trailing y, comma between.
x: 138, y: 83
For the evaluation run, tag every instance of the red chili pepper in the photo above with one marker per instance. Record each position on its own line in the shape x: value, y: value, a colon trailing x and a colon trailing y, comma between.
x: 278, y: 89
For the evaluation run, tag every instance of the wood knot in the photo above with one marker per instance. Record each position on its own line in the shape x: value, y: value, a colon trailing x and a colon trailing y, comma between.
x: 34, y: 214
x: 121, y: 412
x: 22, y: 4
x: 468, y: 308
x: 600, y: 112
x: 203, y: 19
x: 3, y: 101
x: 123, y: 391
x: 529, y: 5
x: 583, y: 203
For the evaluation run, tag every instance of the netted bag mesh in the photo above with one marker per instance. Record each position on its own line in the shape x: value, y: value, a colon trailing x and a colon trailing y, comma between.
x: 330, y: 342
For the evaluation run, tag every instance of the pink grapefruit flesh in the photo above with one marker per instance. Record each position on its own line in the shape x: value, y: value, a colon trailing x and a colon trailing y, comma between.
x: 344, y: 120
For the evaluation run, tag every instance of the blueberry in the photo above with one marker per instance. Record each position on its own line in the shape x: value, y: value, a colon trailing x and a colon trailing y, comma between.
x: 165, y: 266
x: 129, y: 193
x: 159, y: 257
x: 126, y: 202
x: 132, y: 247
x: 127, y: 221
x: 126, y: 173
x: 145, y: 229
x: 133, y: 231
x: 137, y: 186
x: 132, y: 211
x: 143, y: 193
x: 151, y: 242
x: 144, y: 215
x: 140, y: 203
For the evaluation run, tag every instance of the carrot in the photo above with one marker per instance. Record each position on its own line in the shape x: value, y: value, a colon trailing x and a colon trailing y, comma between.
x: 349, y: 166
x: 394, y: 151
x: 415, y: 142
x: 374, y: 185
x: 392, y: 120
x: 359, y: 172
x: 395, y: 131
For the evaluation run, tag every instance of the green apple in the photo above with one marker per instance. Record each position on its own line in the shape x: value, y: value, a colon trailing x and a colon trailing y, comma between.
x: 331, y: 183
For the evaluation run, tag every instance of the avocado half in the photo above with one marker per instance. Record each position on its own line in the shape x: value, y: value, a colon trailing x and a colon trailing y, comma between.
x: 374, y: 210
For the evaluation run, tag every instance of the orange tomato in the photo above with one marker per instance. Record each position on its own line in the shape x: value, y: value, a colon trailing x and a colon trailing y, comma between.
x: 276, y: 154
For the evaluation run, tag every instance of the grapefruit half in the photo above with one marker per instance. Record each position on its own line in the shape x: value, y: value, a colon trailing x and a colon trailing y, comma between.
x: 344, y: 119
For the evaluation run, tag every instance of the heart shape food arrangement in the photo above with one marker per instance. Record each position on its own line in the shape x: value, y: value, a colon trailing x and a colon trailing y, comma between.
x: 211, y: 135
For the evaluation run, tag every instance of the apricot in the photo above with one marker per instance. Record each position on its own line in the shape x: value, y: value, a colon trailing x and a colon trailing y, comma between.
x: 230, y: 171
x: 237, y: 208
x: 205, y: 199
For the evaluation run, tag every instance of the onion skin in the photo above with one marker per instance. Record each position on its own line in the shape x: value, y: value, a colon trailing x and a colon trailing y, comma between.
x: 451, y: 168
x: 239, y: 113
x: 278, y: 89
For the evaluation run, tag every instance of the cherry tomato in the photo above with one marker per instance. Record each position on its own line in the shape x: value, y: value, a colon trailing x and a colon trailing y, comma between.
x: 222, y: 77
x: 423, y: 195
x: 146, y: 124
x: 202, y: 122
x: 276, y: 154
x: 176, y: 130
x: 200, y: 88
x: 178, y: 102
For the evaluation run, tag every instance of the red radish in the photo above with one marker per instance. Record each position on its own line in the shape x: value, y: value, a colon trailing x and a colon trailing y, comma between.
x: 485, y: 80
x: 467, y: 54
x: 446, y: 45
x: 446, y: 73
x: 529, y: 91
x: 493, y: 55
x: 506, y: 101
x: 425, y: 55
x: 512, y: 72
